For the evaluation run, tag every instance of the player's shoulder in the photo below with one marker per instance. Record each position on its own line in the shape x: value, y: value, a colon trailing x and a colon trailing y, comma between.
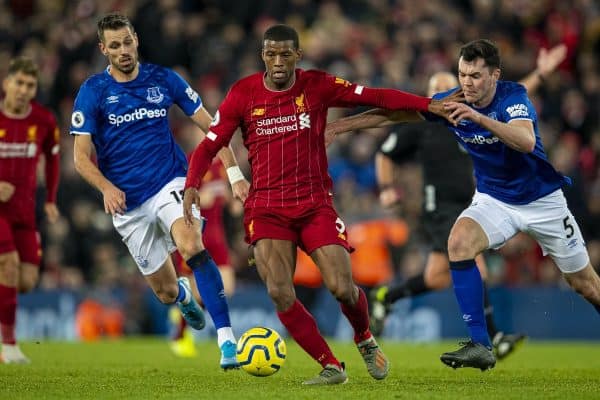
x: 95, y: 83
x: 317, y: 75
x: 248, y: 83
x: 155, y: 71
x: 505, y: 89
x: 42, y: 112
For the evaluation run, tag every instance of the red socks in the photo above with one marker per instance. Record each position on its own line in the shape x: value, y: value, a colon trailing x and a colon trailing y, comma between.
x: 8, y: 313
x: 303, y: 328
x: 358, y: 316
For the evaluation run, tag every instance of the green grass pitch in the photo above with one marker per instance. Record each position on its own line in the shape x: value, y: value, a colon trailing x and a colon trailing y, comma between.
x: 145, y: 369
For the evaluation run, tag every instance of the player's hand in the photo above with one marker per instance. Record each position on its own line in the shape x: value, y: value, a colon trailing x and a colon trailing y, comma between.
x: 52, y: 212
x: 437, y: 106
x: 114, y: 200
x: 548, y: 60
x: 461, y: 111
x: 390, y: 196
x: 7, y: 189
x: 240, y: 189
x: 191, y: 197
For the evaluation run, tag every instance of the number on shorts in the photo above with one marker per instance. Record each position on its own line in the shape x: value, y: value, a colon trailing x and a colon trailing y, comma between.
x: 177, y: 195
x: 568, y: 227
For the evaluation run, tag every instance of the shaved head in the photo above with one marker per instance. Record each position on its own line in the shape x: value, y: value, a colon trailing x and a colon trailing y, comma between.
x: 440, y: 82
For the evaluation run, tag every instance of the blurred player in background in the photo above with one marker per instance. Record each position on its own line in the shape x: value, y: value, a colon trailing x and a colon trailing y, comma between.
x: 27, y: 130
x: 214, y: 197
x: 122, y: 113
x: 282, y: 114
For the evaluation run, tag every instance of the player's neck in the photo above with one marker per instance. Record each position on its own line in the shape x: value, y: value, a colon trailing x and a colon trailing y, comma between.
x: 121, y: 76
x: 270, y: 85
x: 14, y: 112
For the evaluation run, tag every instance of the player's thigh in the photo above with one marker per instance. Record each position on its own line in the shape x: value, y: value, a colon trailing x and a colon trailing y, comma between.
x: 551, y: 223
x: 167, y: 205
x: 276, y: 262
x: 333, y: 261
x: 485, y: 223
x: 29, y: 247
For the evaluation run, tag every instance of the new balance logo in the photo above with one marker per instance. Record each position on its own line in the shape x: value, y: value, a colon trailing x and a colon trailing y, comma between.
x: 305, y: 120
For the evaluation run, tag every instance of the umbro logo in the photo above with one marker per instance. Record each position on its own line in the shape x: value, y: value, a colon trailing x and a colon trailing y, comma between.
x: 112, y: 99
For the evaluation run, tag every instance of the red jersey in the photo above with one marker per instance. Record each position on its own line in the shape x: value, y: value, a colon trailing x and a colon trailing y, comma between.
x: 22, y: 140
x: 284, y: 133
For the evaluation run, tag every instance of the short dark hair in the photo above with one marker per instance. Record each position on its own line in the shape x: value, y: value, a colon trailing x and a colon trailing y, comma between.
x: 481, y: 48
x: 280, y: 33
x: 25, y: 65
x: 113, y: 22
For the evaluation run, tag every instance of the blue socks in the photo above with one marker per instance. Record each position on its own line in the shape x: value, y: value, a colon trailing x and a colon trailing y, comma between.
x: 468, y: 288
x: 210, y: 286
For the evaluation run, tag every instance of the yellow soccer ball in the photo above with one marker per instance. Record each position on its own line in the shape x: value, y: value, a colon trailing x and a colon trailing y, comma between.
x: 261, y: 351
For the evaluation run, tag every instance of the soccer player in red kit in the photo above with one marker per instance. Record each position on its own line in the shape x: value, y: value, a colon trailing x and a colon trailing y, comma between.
x: 27, y: 130
x: 282, y: 115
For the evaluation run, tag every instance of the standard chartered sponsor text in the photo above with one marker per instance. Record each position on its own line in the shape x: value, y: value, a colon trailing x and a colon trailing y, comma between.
x: 283, y: 124
x: 136, y: 115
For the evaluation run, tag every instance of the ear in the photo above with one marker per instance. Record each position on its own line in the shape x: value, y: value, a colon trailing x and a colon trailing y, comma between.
x: 299, y: 54
x: 102, y: 48
x: 496, y: 74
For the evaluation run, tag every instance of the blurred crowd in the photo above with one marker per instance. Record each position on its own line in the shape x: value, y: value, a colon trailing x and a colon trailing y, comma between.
x: 373, y: 42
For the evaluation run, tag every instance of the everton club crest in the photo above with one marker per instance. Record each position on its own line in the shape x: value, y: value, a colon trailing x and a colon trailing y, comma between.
x: 154, y: 95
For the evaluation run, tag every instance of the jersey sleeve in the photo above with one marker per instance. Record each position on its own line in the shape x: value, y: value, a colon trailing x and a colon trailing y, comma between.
x: 341, y: 93
x: 183, y: 95
x: 516, y: 106
x: 225, y: 122
x: 51, y: 149
x: 84, y: 119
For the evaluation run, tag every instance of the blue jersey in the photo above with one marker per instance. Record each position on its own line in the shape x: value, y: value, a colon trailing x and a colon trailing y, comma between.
x: 500, y: 171
x: 129, y: 126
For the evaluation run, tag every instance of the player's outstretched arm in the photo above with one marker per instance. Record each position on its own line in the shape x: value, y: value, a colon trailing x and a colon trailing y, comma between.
x: 546, y: 63
x: 239, y: 185
x: 374, y: 118
x: 114, y: 198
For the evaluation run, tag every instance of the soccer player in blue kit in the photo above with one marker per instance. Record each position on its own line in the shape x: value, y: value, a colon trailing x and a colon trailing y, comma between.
x: 518, y: 190
x: 122, y: 113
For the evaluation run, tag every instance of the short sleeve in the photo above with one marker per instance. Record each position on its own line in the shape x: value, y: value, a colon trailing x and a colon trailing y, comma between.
x: 516, y: 106
x: 183, y: 95
x: 84, y: 119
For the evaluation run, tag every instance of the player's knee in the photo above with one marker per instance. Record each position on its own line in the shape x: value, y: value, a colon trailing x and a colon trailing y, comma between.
x: 189, y: 247
x: 344, y: 293
x: 587, y: 289
x: 459, y: 248
x: 9, y: 269
x: 167, y: 294
x: 27, y: 284
x: 283, y: 297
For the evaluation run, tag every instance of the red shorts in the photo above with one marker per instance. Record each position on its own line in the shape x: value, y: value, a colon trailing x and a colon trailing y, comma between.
x: 310, y: 227
x: 24, y: 239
